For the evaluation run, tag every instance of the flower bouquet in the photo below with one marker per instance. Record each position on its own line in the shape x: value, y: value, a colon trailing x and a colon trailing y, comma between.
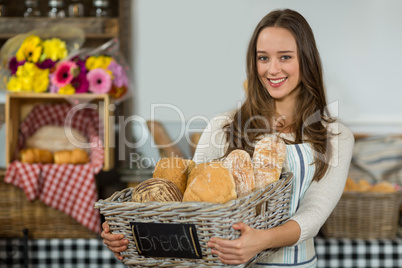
x: 43, y: 61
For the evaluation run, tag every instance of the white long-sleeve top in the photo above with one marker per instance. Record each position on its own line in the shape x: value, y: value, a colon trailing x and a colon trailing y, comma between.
x: 320, y: 198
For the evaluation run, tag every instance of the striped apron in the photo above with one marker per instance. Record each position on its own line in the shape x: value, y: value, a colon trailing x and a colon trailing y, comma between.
x: 298, y: 160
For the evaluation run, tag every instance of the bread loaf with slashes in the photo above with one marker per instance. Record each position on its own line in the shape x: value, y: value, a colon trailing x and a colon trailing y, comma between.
x: 56, y: 138
x: 156, y: 190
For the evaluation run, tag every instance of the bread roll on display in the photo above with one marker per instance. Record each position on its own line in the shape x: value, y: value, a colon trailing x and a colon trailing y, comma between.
x: 76, y: 156
x: 175, y: 170
x: 190, y: 165
x: 34, y: 155
x: 268, y: 158
x: 364, y: 185
x: 241, y: 167
x: 351, y: 185
x: 156, y: 190
x: 55, y: 138
x: 210, y: 182
x: 383, y: 187
x: 194, y: 139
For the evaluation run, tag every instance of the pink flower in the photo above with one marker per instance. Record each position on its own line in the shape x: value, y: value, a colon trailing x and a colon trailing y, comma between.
x: 99, y: 81
x: 120, y: 76
x: 64, y: 73
x: 52, y: 88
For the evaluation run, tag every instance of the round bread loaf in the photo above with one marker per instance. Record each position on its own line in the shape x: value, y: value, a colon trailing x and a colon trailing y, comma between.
x: 210, y: 182
x: 238, y: 162
x: 268, y: 158
x: 175, y: 170
x: 56, y: 138
x: 158, y: 190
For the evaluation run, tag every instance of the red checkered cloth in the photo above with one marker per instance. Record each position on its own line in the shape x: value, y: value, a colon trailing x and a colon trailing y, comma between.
x: 68, y: 188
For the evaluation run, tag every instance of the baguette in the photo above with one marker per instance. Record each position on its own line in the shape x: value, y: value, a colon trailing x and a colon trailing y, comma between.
x: 268, y: 159
x: 239, y: 163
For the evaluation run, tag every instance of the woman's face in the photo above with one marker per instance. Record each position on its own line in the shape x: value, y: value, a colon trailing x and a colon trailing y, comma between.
x: 278, y: 64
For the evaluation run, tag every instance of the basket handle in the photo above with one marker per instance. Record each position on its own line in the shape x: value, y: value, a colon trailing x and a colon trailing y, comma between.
x: 116, y: 195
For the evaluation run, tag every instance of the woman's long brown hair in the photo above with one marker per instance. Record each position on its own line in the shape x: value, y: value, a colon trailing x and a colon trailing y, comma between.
x: 257, y: 114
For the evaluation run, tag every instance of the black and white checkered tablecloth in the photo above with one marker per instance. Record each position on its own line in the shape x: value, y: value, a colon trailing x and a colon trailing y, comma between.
x: 344, y: 253
x: 92, y: 253
x: 54, y: 253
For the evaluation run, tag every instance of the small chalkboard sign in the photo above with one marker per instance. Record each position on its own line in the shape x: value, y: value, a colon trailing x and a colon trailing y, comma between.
x: 173, y: 240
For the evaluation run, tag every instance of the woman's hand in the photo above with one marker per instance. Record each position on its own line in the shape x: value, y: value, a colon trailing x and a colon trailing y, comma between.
x: 114, y: 242
x: 240, y: 250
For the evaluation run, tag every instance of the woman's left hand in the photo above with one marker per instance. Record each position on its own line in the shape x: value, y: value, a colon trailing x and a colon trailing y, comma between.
x: 240, y: 250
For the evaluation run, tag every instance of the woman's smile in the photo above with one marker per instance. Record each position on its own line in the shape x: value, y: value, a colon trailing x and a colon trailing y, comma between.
x: 276, y: 82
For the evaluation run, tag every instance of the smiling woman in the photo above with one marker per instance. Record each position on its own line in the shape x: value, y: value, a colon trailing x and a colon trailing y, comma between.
x: 285, y: 85
x: 286, y: 97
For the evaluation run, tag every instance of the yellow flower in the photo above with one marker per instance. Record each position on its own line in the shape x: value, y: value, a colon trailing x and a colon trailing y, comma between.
x: 26, y: 83
x: 30, y: 78
x: 30, y: 49
x: 94, y: 62
x: 69, y: 90
x: 14, y: 84
x: 25, y: 74
x: 54, y: 49
x: 27, y: 69
x: 41, y: 81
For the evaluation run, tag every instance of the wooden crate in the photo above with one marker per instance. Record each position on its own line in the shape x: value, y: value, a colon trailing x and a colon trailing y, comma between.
x: 18, y: 105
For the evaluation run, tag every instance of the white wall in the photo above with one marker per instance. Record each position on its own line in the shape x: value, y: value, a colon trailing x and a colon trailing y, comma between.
x: 191, y: 54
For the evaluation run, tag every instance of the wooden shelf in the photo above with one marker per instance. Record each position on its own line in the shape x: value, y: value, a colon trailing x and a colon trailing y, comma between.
x: 82, y: 96
x: 93, y: 27
x: 97, y: 30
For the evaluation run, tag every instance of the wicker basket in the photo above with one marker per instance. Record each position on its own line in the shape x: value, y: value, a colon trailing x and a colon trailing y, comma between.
x: 42, y: 221
x: 364, y: 216
x: 209, y: 220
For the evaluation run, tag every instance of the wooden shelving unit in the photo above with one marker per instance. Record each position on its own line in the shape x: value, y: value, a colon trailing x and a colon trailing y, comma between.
x: 93, y: 27
x: 97, y: 30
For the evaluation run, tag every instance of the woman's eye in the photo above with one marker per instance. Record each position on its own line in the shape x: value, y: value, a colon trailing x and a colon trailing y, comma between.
x: 285, y: 57
x: 262, y: 58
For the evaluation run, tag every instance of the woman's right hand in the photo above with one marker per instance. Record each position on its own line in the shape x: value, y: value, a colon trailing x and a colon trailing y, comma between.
x: 114, y: 242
